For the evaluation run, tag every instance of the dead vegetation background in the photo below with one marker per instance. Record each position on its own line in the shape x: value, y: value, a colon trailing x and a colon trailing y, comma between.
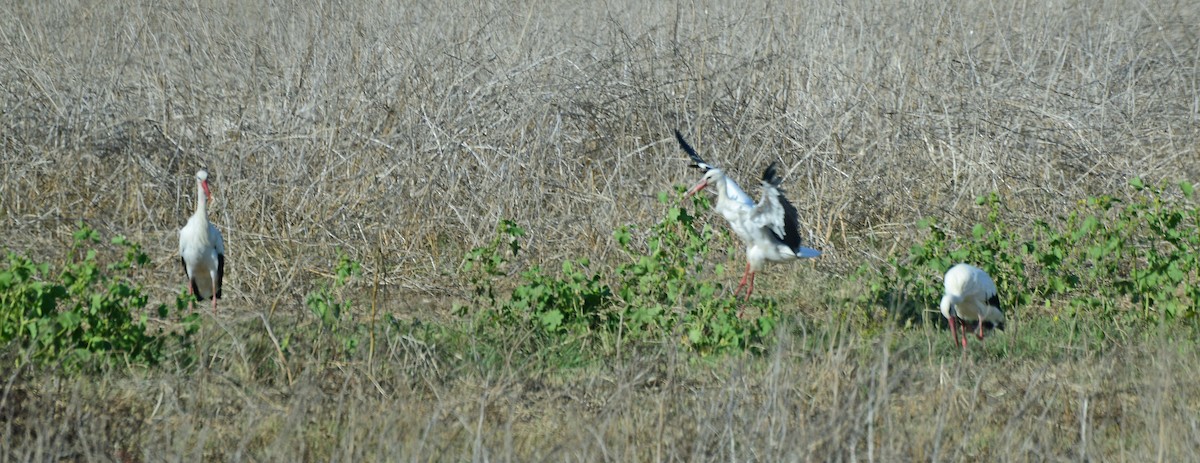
x: 400, y: 132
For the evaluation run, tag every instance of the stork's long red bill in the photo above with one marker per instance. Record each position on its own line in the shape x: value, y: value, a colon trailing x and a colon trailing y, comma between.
x: 207, y: 193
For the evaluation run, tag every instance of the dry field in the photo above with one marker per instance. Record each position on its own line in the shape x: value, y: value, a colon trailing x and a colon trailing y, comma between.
x: 401, y: 132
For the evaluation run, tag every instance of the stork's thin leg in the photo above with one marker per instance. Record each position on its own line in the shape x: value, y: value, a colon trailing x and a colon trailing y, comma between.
x: 960, y: 338
x: 962, y: 330
x: 980, y: 333
x: 742, y: 284
x: 213, y: 296
x: 192, y: 300
x: 748, y: 283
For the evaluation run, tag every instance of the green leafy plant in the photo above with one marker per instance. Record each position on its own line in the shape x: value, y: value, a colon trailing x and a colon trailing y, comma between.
x: 667, y: 280
x: 324, y: 301
x: 659, y: 293
x: 328, y: 305
x: 86, y: 311
x: 484, y: 264
x: 560, y: 309
x: 573, y: 301
x: 1106, y: 257
x: 1141, y: 252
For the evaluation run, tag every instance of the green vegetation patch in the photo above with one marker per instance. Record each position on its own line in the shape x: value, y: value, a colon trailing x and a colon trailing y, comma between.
x: 1130, y: 262
x: 659, y: 293
x: 86, y: 312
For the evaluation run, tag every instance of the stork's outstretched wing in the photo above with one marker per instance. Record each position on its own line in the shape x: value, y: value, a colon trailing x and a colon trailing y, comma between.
x: 770, y: 211
x: 777, y: 214
x: 697, y: 162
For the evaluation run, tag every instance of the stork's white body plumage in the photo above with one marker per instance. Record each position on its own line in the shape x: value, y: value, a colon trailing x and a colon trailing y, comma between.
x: 770, y: 229
x: 971, y: 300
x: 202, y: 249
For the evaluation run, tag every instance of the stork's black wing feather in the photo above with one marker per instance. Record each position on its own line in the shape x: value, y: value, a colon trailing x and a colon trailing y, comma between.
x: 697, y: 162
x: 994, y: 301
x: 770, y: 177
x: 220, y: 276
x: 791, y: 225
x: 791, y: 220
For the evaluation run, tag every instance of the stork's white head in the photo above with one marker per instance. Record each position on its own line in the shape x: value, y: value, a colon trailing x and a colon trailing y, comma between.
x: 202, y: 179
x: 948, y: 305
x: 711, y: 177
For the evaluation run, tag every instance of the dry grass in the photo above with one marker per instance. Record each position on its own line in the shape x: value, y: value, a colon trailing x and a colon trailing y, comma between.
x: 820, y: 396
x: 401, y: 133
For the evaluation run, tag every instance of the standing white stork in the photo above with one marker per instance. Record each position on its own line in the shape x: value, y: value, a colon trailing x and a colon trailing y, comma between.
x: 770, y: 229
x: 971, y: 298
x: 201, y: 248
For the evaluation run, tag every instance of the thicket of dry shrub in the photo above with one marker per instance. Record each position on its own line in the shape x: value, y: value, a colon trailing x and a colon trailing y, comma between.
x: 401, y: 132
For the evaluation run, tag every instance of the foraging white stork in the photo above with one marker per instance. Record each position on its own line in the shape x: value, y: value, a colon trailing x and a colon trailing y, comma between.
x: 201, y: 248
x: 770, y: 229
x: 971, y: 298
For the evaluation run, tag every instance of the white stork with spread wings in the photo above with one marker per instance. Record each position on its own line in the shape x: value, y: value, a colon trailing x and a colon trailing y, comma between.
x: 202, y: 249
x: 770, y: 229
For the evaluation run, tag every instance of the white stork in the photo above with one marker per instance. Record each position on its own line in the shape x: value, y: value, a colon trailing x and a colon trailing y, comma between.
x: 201, y: 248
x: 971, y: 300
x: 770, y: 229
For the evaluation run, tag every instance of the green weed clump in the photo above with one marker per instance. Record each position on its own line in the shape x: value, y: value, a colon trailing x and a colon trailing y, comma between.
x: 909, y: 286
x: 325, y: 302
x: 659, y: 294
x: 1130, y: 261
x: 85, y: 312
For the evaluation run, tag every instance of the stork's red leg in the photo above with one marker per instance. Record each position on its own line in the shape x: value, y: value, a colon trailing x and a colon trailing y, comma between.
x: 191, y: 290
x: 980, y: 333
x: 960, y: 338
x: 749, y: 289
x: 962, y: 330
x: 742, y: 283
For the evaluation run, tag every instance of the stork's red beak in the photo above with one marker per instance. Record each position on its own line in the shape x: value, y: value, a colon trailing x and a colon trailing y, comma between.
x: 696, y: 189
x: 207, y: 194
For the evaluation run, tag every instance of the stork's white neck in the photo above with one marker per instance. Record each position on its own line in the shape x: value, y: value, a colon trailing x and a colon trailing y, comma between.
x: 201, y: 199
x: 947, y: 305
x: 721, y: 188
